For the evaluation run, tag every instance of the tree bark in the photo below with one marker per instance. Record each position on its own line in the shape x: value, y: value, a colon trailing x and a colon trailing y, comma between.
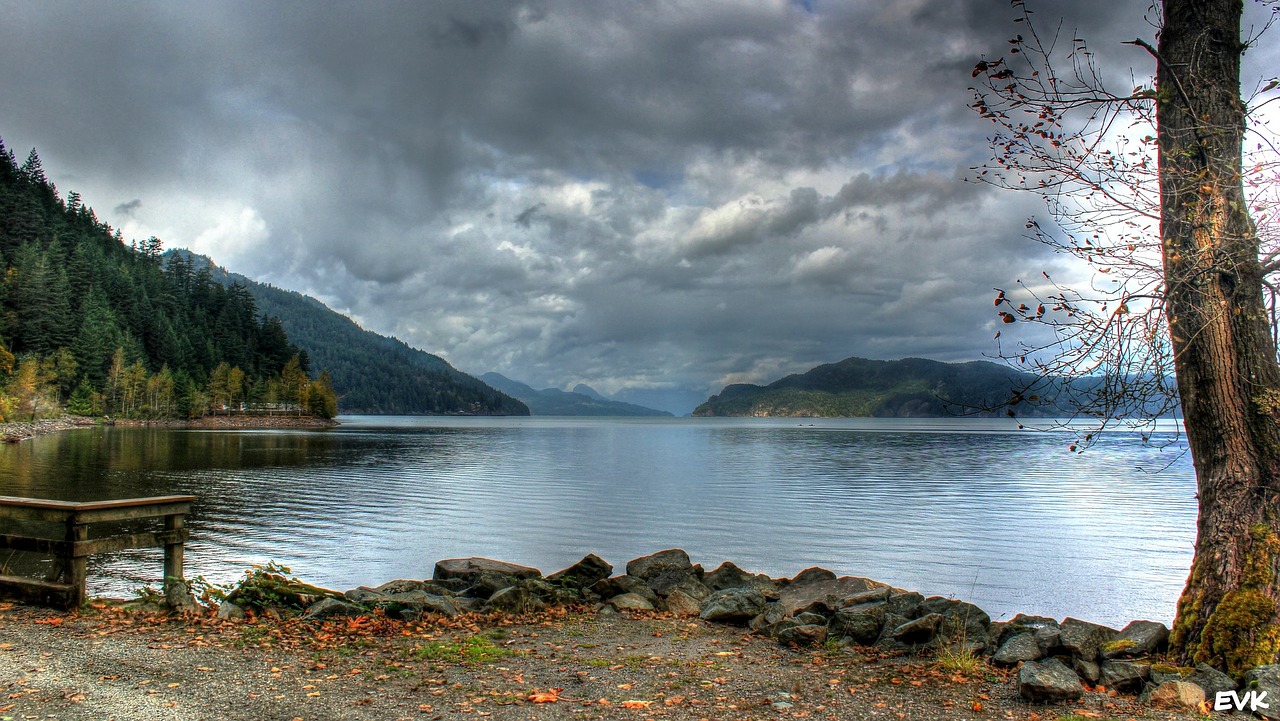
x: 1224, y: 356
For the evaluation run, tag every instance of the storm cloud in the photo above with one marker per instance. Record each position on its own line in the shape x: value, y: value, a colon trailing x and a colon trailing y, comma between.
x: 639, y: 196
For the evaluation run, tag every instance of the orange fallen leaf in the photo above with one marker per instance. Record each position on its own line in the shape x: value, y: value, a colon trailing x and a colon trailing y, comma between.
x: 548, y: 696
x: 977, y: 706
x: 52, y: 621
x: 636, y: 704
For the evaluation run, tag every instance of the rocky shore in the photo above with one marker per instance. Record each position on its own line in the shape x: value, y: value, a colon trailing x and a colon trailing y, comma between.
x: 15, y: 432
x: 1054, y: 661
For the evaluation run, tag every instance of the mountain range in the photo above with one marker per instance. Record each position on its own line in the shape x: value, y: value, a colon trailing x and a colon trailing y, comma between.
x: 583, y: 400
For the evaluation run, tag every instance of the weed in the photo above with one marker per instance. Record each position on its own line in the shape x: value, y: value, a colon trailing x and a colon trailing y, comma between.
x: 960, y: 658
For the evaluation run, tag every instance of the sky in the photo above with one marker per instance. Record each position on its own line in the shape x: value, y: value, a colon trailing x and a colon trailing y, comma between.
x: 655, y: 198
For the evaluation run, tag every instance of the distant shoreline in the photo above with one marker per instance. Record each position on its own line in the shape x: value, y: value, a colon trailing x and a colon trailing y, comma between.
x: 15, y: 432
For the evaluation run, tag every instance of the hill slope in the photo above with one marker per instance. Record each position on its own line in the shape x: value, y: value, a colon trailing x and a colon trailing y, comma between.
x: 372, y: 373
x: 857, y: 387
x: 555, y: 402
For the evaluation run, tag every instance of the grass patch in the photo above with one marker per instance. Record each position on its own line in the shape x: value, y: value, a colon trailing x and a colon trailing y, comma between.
x: 960, y: 658
x: 476, y: 649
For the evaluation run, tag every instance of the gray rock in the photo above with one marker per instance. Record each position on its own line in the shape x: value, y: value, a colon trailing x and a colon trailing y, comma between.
x: 801, y: 634
x: 733, y: 605
x: 483, y: 584
x: 229, y: 610
x: 583, y: 574
x: 364, y: 595
x: 1163, y: 674
x: 467, y: 568
x: 327, y: 608
x: 550, y: 593
x: 812, y: 575
x: 1180, y: 695
x: 401, y: 585
x: 680, y: 603
x: 1124, y: 675
x: 413, y: 604
x: 874, y: 596
x: 1090, y: 671
x: 1211, y: 680
x: 918, y: 631
x: 1138, y: 639
x: 663, y: 562
x: 813, y: 585
x: 1046, y: 630
x: 905, y: 604
x: 610, y: 587
x: 1048, y: 681
x: 663, y: 584
x: 1084, y: 639
x: 728, y: 575
x: 860, y: 624
x: 515, y: 599
x: 1265, y: 678
x: 1022, y: 647
x: 630, y: 602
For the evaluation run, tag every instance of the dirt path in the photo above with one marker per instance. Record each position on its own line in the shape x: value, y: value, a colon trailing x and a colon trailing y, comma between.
x: 110, y: 664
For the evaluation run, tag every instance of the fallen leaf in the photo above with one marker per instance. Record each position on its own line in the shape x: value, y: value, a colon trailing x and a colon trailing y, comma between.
x: 636, y: 704
x: 548, y: 696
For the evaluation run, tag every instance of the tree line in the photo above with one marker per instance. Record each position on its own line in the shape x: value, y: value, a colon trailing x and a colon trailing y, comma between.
x: 100, y: 327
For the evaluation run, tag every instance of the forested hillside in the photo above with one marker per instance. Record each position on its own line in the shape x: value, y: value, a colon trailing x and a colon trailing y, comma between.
x: 856, y: 387
x: 103, y: 327
x: 371, y: 373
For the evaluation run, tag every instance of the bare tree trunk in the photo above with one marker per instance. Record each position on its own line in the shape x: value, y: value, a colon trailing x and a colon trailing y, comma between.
x: 1225, y: 359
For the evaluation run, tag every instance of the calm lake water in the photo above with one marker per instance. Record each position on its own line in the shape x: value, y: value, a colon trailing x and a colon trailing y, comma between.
x: 969, y: 508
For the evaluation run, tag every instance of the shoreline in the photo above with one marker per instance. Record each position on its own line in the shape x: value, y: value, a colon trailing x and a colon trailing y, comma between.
x: 18, y: 431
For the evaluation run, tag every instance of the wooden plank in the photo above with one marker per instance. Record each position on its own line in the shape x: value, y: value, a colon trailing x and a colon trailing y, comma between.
x: 57, y: 547
x: 39, y: 509
x: 126, y: 513
x: 34, y: 591
x: 145, y: 539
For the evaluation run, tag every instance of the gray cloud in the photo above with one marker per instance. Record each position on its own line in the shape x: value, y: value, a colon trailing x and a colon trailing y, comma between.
x: 632, y: 195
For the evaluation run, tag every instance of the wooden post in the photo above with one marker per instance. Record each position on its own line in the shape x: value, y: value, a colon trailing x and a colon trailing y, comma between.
x: 77, y: 565
x: 175, y: 587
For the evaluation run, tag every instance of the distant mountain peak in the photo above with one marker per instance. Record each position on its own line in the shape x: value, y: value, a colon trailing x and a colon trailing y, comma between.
x: 555, y: 402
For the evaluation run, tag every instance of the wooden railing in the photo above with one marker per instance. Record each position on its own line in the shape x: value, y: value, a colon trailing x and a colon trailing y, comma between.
x: 72, y: 549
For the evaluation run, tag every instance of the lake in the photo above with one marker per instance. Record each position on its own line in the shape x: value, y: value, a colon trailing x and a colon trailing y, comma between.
x: 969, y: 508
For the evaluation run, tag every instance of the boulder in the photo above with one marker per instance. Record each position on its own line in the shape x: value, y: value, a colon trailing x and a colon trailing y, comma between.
x: 728, y: 575
x: 680, y: 603
x: 583, y: 574
x: 230, y: 611
x: 400, y: 585
x: 1265, y: 679
x: 1084, y: 639
x: 1211, y: 680
x: 791, y: 633
x: 1048, y: 681
x: 327, y: 608
x: 1088, y: 670
x: 905, y: 604
x: 515, y: 599
x: 661, y: 563
x: 263, y: 589
x: 1124, y: 675
x: 816, y: 584
x: 1138, y: 639
x: 363, y: 595
x: 1018, y: 649
x: 1177, y: 695
x: 1046, y: 631
x: 413, y: 604
x: 630, y: 602
x: 484, y: 584
x: 466, y: 568
x: 860, y: 624
x: 550, y: 593
x: 733, y: 605
x: 610, y: 587
x: 918, y: 631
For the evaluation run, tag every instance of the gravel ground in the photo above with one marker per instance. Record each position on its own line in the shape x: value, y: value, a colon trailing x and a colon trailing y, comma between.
x: 109, y: 663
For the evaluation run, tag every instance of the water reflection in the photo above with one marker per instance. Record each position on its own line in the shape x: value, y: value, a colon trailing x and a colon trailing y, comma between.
x: 961, y: 507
